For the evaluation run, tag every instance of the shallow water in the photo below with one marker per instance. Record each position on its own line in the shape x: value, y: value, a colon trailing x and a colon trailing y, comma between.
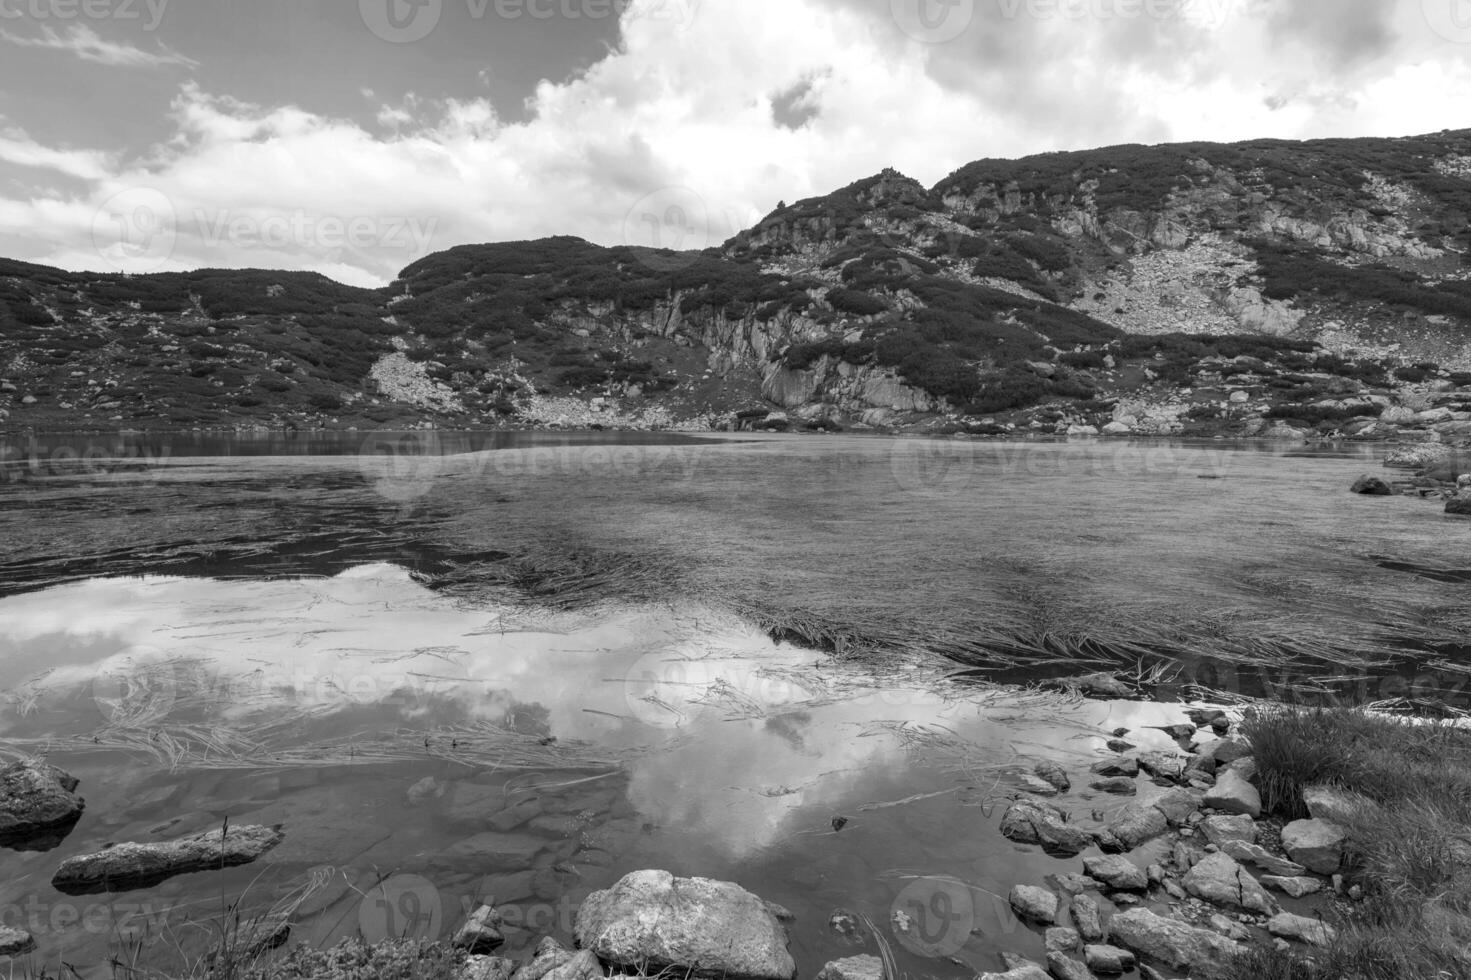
x: 275, y: 656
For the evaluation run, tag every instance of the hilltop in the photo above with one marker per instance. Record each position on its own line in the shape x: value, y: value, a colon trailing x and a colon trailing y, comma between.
x: 1268, y: 287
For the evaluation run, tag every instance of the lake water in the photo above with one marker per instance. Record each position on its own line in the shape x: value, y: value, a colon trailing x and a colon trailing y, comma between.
x: 521, y: 672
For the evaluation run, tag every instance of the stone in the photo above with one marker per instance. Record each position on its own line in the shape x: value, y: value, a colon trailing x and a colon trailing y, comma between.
x: 1296, y: 886
x: 1073, y: 884
x: 1033, y: 904
x: 1108, y: 960
x: 1177, y: 805
x: 486, y: 968
x: 1259, y: 856
x: 38, y: 805
x: 1026, y: 971
x: 548, y: 955
x: 1061, y: 939
x: 1219, y: 829
x: 1052, y: 774
x: 481, y: 933
x: 1219, y: 879
x: 1118, y: 873
x: 1315, y: 844
x: 1174, y: 944
x: 1138, y: 823
x: 1119, y: 745
x: 1201, y: 717
x: 1036, y: 786
x: 651, y: 920
x: 583, y: 965
x: 1227, y: 927
x: 1064, y: 967
x: 1035, y: 822
x: 1118, y: 787
x: 1088, y: 918
x: 1226, y: 751
x: 853, y: 968
x: 1115, y: 768
x: 15, y: 942
x: 1371, y: 486
x: 1232, y: 794
x: 132, y: 865
x: 1459, y: 505
x: 1285, y: 925
x: 1169, y: 766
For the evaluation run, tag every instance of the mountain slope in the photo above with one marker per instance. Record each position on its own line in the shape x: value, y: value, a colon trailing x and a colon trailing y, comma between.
x: 1155, y: 289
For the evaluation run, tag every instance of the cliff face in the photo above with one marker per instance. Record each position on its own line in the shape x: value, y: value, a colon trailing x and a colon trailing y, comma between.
x: 1042, y: 292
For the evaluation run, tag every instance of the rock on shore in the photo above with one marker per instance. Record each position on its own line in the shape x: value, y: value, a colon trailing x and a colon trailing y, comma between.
x: 650, y: 920
x: 130, y: 865
x: 38, y: 806
x: 1174, y: 944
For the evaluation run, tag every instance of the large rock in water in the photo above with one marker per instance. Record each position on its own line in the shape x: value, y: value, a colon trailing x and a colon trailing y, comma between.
x: 1371, y: 486
x: 1232, y: 794
x: 1174, y: 944
x: 651, y: 920
x: 38, y: 806
x: 1034, y: 822
x: 126, y: 866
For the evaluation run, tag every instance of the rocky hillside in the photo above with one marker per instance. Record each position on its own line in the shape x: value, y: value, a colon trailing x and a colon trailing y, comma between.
x: 1258, y: 288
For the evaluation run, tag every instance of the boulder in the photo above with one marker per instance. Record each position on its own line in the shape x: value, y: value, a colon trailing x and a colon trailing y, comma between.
x: 1219, y: 829
x: 1102, y: 685
x: 1109, y: 961
x: 1168, y: 766
x: 651, y: 920
x: 1064, y: 967
x: 1060, y: 939
x: 1052, y: 773
x: 1259, y: 856
x: 853, y: 968
x: 1036, y: 785
x: 1225, y: 751
x: 1033, y: 904
x: 1117, y: 768
x: 1136, y: 824
x: 38, y: 806
x: 1228, y: 927
x: 1174, y: 944
x: 1285, y: 925
x: 131, y: 865
x: 1315, y: 844
x: 1118, y: 873
x: 15, y: 942
x: 1035, y: 822
x: 1232, y: 794
x: 1296, y: 886
x: 481, y: 932
x: 1460, y: 504
x: 1371, y: 486
x: 1088, y: 918
x: 1177, y: 805
x: 1218, y: 878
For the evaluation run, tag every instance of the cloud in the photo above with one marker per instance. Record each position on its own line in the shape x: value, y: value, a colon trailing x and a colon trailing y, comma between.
x: 687, y: 118
x: 21, y: 150
x: 86, y: 44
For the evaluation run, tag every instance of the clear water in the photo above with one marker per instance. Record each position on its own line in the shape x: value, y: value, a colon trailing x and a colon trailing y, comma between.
x: 384, y: 724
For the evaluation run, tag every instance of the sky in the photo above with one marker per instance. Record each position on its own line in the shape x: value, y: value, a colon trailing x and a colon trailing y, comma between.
x: 353, y: 137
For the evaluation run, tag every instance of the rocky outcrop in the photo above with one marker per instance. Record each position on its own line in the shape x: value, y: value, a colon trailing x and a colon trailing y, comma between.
x: 131, y: 865
x: 651, y: 920
x: 38, y: 806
